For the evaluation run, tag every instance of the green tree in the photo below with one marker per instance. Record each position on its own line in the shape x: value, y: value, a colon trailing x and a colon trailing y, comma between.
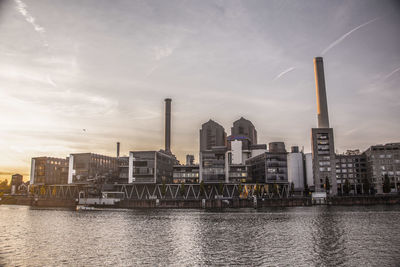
x: 202, y: 189
x: 386, y: 184
x: 182, y: 189
x: 327, y: 184
x: 221, y: 189
x: 163, y: 188
x: 346, y: 187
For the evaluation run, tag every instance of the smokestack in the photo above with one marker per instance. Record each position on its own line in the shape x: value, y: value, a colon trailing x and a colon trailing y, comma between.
x: 117, y: 149
x: 168, y: 125
x: 322, y: 106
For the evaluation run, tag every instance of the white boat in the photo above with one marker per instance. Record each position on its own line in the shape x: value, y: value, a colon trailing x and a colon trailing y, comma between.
x: 84, y: 207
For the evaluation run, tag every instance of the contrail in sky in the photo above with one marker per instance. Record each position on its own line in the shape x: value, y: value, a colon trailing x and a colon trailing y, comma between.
x: 390, y: 74
x: 283, y: 73
x: 21, y: 7
x: 346, y: 34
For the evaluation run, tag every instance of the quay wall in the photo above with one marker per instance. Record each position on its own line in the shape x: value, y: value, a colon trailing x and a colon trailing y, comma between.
x: 209, y: 203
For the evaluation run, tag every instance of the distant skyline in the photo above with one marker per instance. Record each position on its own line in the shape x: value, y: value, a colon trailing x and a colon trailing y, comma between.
x: 78, y: 76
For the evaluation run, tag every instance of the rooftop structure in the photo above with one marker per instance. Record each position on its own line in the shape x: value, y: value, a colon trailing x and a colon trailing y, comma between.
x: 244, y: 128
x: 211, y: 134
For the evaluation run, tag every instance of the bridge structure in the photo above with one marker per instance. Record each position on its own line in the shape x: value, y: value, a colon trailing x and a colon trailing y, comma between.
x: 165, y: 191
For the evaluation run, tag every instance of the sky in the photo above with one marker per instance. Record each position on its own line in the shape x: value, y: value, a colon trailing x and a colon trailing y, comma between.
x: 78, y: 76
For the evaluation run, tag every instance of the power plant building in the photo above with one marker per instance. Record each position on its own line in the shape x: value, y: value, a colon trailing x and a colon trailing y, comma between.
x: 322, y: 141
x: 244, y: 128
x: 211, y: 134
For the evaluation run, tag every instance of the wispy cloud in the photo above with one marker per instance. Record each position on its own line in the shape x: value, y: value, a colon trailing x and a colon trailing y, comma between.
x: 21, y: 7
x: 163, y: 52
x: 344, y: 36
x: 391, y: 73
x: 284, y: 72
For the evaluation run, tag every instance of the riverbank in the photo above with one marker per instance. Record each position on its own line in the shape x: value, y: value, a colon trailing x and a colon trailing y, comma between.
x: 210, y: 203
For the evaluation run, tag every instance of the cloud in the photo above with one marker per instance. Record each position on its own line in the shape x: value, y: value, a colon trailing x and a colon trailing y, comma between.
x: 162, y: 52
x: 344, y: 36
x: 284, y: 72
x: 21, y: 7
x: 50, y: 81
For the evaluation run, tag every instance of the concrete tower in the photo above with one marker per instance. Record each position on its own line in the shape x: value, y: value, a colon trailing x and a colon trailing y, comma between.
x: 322, y: 106
x: 168, y: 125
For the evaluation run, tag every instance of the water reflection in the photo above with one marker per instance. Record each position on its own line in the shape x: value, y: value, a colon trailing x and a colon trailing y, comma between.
x: 301, y: 236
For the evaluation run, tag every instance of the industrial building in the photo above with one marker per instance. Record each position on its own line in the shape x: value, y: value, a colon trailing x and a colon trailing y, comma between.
x: 296, y: 170
x: 244, y: 128
x: 269, y: 167
x: 188, y: 174
x: 213, y: 163
x: 322, y: 142
x: 16, y: 181
x: 351, y: 167
x: 85, y: 168
x: 384, y: 160
x: 150, y: 167
x: 48, y: 171
x: 189, y: 160
x: 211, y: 134
x: 237, y: 158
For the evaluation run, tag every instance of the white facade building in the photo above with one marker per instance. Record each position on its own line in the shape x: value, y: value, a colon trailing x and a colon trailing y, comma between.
x: 296, y: 170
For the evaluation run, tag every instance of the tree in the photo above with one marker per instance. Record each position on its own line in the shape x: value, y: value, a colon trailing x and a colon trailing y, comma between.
x: 327, y: 184
x: 275, y: 190
x: 240, y: 188
x: 42, y: 190
x: 54, y: 192
x: 4, y: 186
x: 291, y: 188
x: 221, y: 189
x: 163, y: 188
x: 182, y: 189
x: 366, y: 186
x: 386, y: 184
x: 306, y: 190
x: 202, y: 189
x: 346, y: 187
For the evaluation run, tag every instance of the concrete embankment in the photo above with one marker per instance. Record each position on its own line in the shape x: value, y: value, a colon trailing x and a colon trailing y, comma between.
x: 364, y: 200
x: 209, y: 203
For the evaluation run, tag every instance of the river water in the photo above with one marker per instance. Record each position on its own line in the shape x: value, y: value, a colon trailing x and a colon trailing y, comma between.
x: 299, y: 236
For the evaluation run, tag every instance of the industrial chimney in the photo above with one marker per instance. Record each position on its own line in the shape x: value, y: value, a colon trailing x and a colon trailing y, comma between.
x: 322, y: 106
x: 118, y: 149
x: 168, y: 125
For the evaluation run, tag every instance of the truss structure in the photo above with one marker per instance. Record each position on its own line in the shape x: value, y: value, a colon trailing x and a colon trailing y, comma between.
x: 168, y: 191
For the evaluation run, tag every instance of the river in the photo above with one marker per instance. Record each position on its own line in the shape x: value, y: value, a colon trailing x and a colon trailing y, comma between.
x: 297, y: 236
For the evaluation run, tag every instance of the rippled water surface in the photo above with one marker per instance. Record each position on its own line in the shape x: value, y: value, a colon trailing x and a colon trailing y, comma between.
x: 302, y: 236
